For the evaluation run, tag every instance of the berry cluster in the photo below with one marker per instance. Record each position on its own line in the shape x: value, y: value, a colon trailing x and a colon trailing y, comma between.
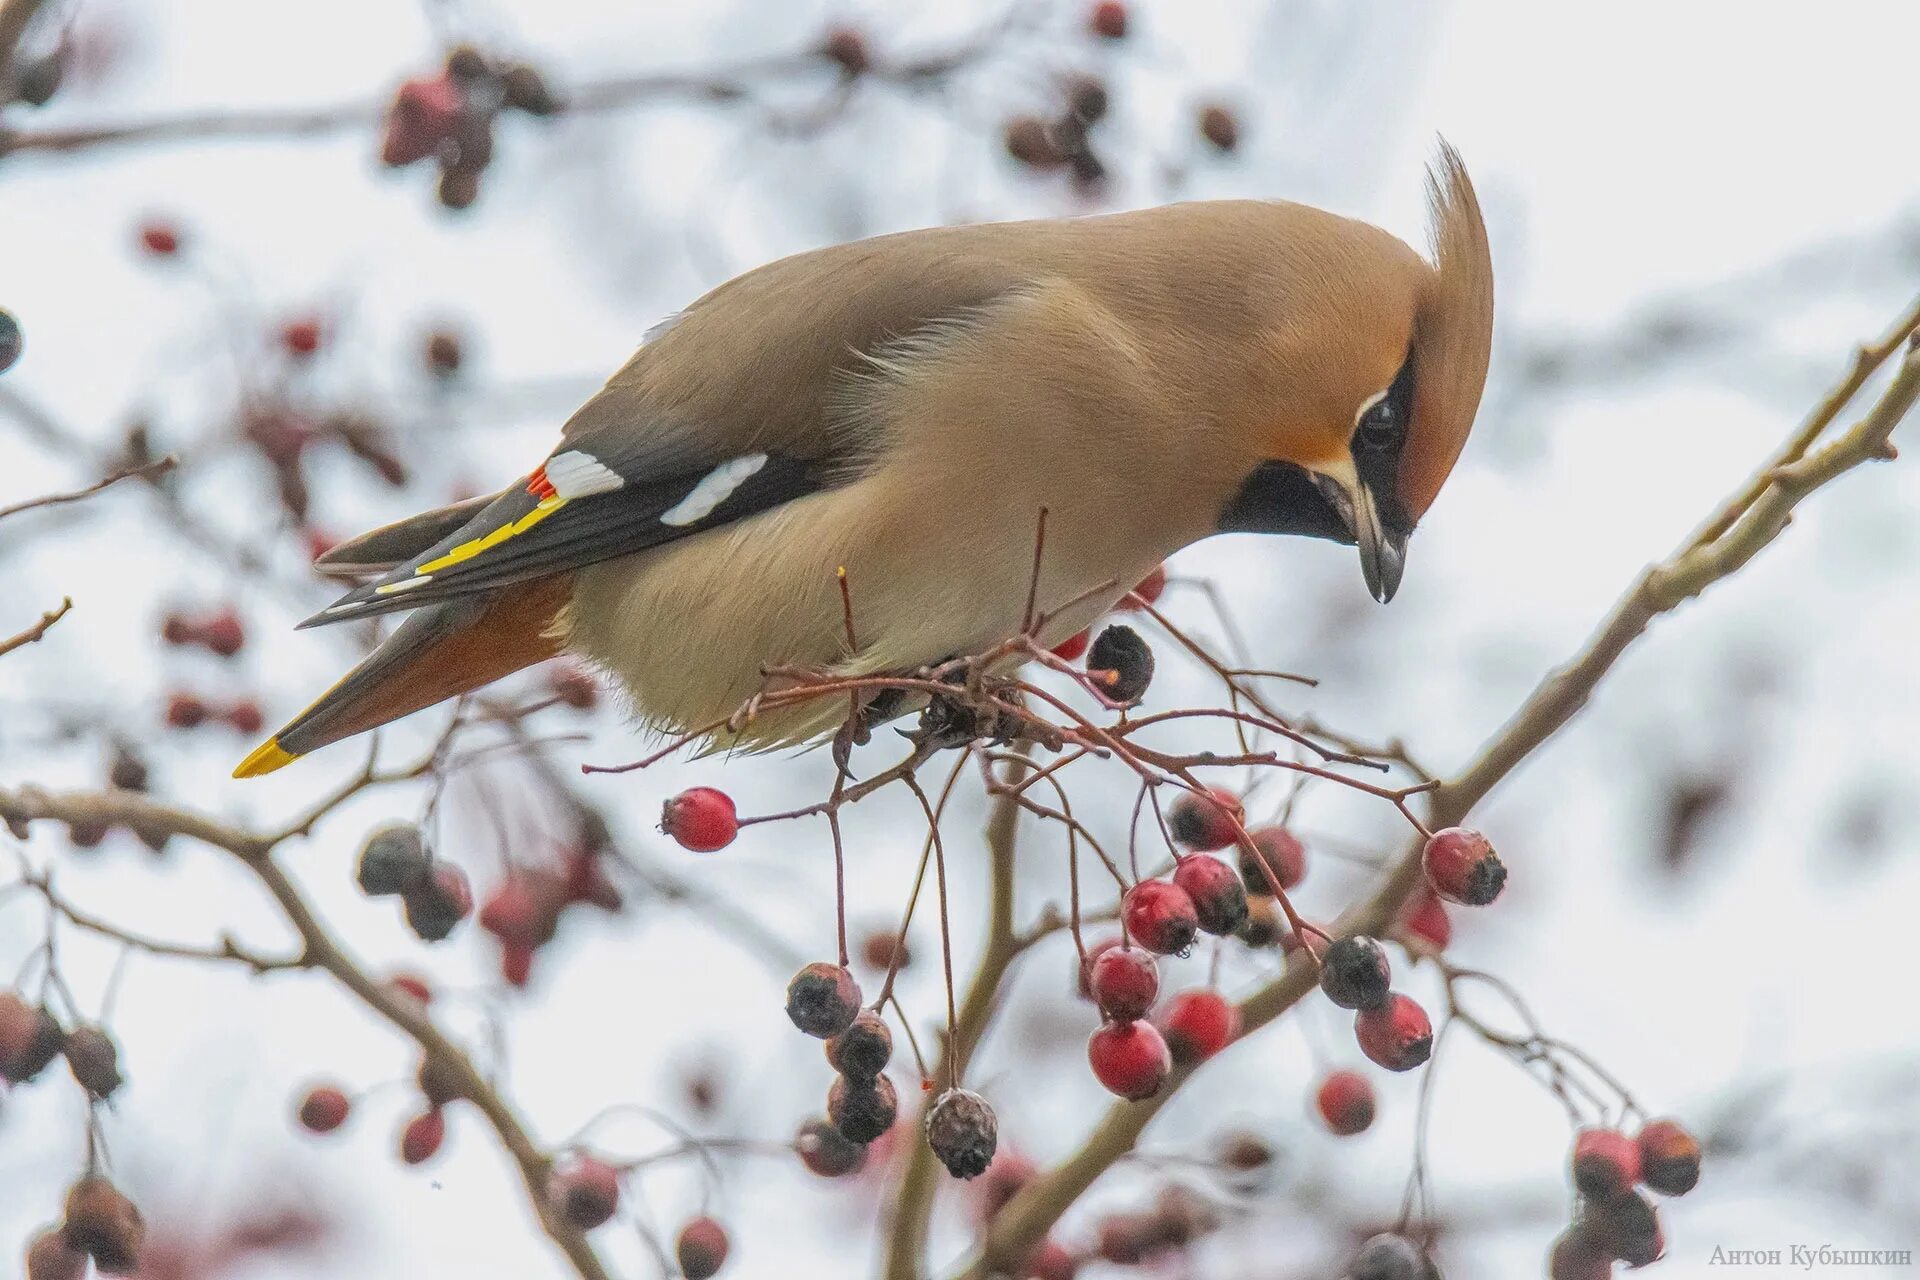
x: 100, y: 1223
x: 449, y: 118
x: 1616, y: 1222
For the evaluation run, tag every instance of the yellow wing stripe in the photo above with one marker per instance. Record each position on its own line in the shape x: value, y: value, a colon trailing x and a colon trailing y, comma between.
x: 486, y: 542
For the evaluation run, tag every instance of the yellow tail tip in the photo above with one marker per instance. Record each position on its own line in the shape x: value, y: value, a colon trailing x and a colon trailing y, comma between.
x: 266, y: 757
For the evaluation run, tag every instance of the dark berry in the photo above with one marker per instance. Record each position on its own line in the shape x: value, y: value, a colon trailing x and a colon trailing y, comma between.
x: 1120, y: 665
x: 104, y: 1225
x: 826, y: 1151
x: 439, y: 903
x: 1220, y: 127
x: 324, y: 1109
x: 1125, y: 982
x: 1160, y: 916
x: 1462, y: 867
x: 1397, y: 1035
x: 1206, y: 822
x: 444, y: 353
x: 1669, y: 1158
x: 863, y: 1050
x: 1130, y: 1059
x: 1629, y: 1227
x: 1219, y: 899
x: 50, y: 1257
x: 30, y: 1039
x: 585, y: 1191
x: 438, y: 1084
x: 1580, y: 1254
x: 1031, y: 141
x: 12, y: 340
x: 393, y: 860
x: 862, y: 1110
x: 823, y: 1000
x: 701, y: 1249
x: 525, y: 89
x: 1606, y: 1163
x: 963, y: 1132
x: 93, y: 1060
x: 1388, y: 1257
x: 1354, y: 973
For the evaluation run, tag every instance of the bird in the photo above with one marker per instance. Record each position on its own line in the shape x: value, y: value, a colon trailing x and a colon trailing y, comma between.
x: 895, y: 413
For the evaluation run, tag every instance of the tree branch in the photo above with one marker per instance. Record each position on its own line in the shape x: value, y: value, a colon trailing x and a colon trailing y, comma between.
x: 1745, y: 524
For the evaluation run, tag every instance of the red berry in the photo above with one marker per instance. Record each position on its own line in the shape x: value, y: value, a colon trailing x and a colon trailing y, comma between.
x: 1199, y: 1024
x: 413, y: 986
x: 1147, y: 591
x: 1283, y: 855
x: 161, y: 239
x: 301, y: 337
x: 1130, y: 1059
x: 848, y: 48
x: 884, y: 950
x: 1354, y: 973
x: 50, y: 1257
x: 1219, y: 899
x: 585, y: 1191
x: 1346, y: 1103
x: 1160, y: 916
x: 1462, y: 867
x: 702, y: 1249
x: 1606, y: 1163
x: 1426, y: 921
x: 324, y: 1109
x: 823, y: 1000
x: 524, y: 908
x: 516, y: 963
x: 178, y: 629
x: 1397, y: 1035
x: 1125, y: 982
x: 826, y: 1151
x: 245, y: 717
x: 423, y: 1135
x: 574, y: 686
x: 1206, y: 823
x: 185, y: 711
x: 1108, y: 20
x: 423, y: 114
x: 1087, y: 962
x: 1579, y: 1254
x: 222, y: 633
x: 1050, y: 1261
x: 1004, y: 1179
x: 1070, y: 649
x: 701, y: 819
x: 1669, y: 1158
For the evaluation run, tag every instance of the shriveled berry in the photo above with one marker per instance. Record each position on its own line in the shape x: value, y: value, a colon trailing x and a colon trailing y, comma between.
x: 1388, y: 1257
x: 862, y: 1110
x: 1580, y: 1254
x: 1426, y: 921
x: 1125, y: 982
x: 1629, y: 1227
x: 1219, y: 899
x: 1606, y: 1163
x: 701, y: 819
x: 104, y: 1225
x: 1397, y: 1035
x: 584, y: 1190
x: 1108, y: 20
x: 1198, y: 1024
x: 1220, y: 127
x: 439, y: 903
x: 1669, y: 1158
x: 1130, y: 1059
x: 826, y: 1151
x: 324, y: 1109
x: 1462, y: 867
x: 863, y: 1050
x: 393, y: 860
x: 1346, y: 1103
x: 1206, y: 823
x: 1147, y: 591
x: 50, y: 1257
x: 30, y: 1038
x: 1120, y: 665
x: 1283, y: 855
x: 823, y: 1000
x: 1070, y: 649
x: 1160, y: 916
x: 421, y: 1138
x: 701, y: 1249
x: 93, y: 1060
x: 963, y: 1132
x: 1354, y: 973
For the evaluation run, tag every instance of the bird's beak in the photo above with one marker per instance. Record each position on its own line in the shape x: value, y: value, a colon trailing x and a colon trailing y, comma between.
x: 1383, y: 554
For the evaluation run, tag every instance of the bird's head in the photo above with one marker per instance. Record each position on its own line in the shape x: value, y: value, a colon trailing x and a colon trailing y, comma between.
x: 1379, y: 365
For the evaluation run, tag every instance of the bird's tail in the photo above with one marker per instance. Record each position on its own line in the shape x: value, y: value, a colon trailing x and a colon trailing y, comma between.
x: 440, y: 651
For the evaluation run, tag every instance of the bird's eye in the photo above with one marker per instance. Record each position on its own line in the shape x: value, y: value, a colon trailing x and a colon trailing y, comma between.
x: 1379, y: 428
